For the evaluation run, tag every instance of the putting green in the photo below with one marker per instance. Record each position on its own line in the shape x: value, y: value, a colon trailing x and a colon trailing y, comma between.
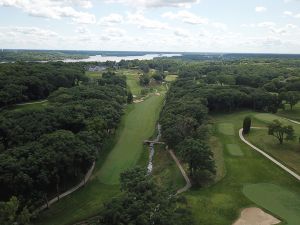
x: 139, y: 124
x: 234, y: 149
x: 226, y: 128
x: 278, y: 200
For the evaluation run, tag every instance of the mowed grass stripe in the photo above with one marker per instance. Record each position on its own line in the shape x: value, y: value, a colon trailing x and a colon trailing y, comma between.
x: 277, y: 199
x: 139, y: 124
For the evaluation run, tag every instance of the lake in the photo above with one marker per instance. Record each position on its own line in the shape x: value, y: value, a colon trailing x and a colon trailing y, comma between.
x: 100, y: 58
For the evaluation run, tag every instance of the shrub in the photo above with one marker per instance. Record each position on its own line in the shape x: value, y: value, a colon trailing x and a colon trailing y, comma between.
x: 246, y: 125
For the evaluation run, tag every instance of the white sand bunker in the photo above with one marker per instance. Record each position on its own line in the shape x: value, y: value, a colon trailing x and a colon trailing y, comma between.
x: 138, y: 101
x: 157, y: 94
x: 255, y: 216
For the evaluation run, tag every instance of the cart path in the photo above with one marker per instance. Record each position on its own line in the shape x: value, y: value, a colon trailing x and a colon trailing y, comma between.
x: 70, y: 191
x: 297, y: 176
x: 187, y: 179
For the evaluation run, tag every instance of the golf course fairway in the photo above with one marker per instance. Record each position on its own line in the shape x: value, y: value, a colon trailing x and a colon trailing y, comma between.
x: 138, y: 123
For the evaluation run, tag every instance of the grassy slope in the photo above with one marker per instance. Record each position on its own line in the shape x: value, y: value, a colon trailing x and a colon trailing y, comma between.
x: 132, y: 80
x: 221, y: 203
x: 33, y: 105
x: 93, y: 74
x: 165, y: 171
x: 291, y: 114
x: 137, y: 124
x: 288, y: 153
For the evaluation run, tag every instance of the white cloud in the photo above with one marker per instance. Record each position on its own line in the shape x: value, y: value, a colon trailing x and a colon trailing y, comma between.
x: 156, y: 3
x: 266, y: 24
x: 139, y: 19
x: 111, y: 19
x: 288, y: 13
x: 186, y: 17
x: 181, y: 32
x: 53, y: 9
x: 260, y: 9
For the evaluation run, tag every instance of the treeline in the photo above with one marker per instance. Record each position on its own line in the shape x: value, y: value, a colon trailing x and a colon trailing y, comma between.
x: 21, y: 82
x: 44, y: 150
x: 38, y: 55
x: 144, y: 202
x: 184, y: 128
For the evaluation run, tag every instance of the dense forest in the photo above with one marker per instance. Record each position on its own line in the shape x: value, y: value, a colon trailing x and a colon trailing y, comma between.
x: 36, y: 55
x: 21, y: 82
x: 45, y: 150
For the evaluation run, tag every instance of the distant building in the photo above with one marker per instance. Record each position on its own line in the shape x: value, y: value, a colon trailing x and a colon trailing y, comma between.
x: 96, y: 68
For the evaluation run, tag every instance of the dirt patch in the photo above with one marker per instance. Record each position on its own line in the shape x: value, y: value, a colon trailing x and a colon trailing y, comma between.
x: 256, y: 216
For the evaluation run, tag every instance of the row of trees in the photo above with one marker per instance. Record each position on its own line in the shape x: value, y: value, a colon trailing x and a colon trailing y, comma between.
x: 184, y: 128
x: 143, y: 202
x: 44, y: 151
x: 20, y: 82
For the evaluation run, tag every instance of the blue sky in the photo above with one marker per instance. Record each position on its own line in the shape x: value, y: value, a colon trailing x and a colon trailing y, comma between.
x: 152, y: 25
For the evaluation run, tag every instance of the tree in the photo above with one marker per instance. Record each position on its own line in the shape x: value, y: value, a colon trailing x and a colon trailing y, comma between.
x: 129, y: 97
x: 199, y: 157
x: 246, y: 125
x: 144, y: 80
x: 292, y: 98
x: 281, y: 132
x: 143, y: 202
x: 10, y: 213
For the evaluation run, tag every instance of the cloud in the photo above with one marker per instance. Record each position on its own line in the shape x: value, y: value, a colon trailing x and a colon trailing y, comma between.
x: 54, y: 9
x: 181, y: 32
x: 291, y: 14
x: 260, y: 9
x: 111, y: 19
x: 139, y: 19
x: 186, y: 17
x: 156, y: 3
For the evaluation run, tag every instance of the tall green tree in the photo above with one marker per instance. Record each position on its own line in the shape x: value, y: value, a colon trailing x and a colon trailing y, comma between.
x: 281, y: 132
x: 199, y: 157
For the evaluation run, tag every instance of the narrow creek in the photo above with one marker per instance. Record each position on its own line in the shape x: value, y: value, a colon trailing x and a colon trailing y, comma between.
x: 152, y: 150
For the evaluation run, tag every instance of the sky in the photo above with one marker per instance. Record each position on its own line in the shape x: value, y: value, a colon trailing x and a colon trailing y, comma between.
x: 254, y: 26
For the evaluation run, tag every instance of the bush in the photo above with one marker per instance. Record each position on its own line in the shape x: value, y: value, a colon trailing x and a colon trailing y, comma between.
x: 246, y: 125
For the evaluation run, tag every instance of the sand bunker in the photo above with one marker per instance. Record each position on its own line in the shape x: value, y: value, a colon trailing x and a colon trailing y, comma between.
x: 157, y: 94
x: 138, y: 100
x: 255, y: 216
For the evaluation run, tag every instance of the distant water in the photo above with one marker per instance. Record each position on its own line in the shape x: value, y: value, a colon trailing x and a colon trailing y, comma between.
x: 100, y: 58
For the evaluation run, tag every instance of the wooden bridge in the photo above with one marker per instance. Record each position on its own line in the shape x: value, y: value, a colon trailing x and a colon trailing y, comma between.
x: 154, y: 142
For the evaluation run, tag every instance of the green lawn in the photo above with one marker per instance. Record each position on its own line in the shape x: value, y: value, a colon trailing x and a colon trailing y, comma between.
x: 170, y: 78
x: 276, y: 199
x: 94, y: 75
x: 293, y: 114
x: 222, y: 202
x: 138, y: 124
x: 32, y: 105
x: 132, y: 80
x: 288, y: 153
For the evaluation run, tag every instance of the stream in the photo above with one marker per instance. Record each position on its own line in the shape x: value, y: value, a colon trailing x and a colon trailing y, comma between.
x: 152, y: 150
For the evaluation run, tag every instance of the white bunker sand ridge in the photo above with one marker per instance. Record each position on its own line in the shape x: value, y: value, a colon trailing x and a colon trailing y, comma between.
x: 256, y: 216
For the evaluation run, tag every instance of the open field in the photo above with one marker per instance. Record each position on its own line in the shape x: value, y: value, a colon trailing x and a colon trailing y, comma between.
x: 291, y: 114
x: 170, y: 78
x: 222, y: 202
x: 124, y: 151
x: 95, y: 75
x: 27, y: 106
